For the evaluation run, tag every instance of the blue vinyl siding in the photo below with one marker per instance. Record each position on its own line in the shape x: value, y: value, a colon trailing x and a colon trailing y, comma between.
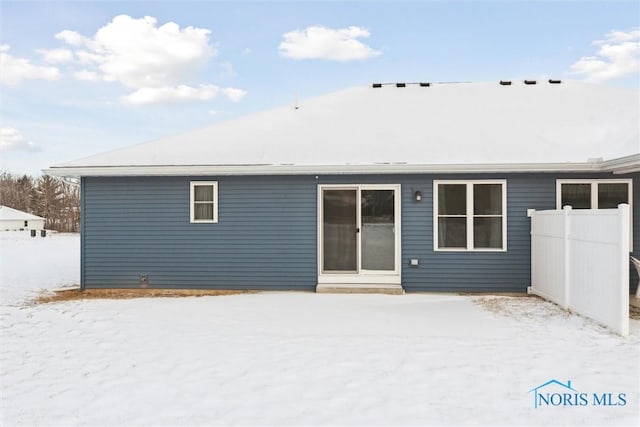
x: 633, y: 275
x: 266, y: 234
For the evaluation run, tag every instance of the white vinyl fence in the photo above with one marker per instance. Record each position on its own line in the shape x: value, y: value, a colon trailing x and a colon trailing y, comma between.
x: 580, y: 260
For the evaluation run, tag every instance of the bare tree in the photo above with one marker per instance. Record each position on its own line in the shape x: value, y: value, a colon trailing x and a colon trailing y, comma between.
x: 16, y: 192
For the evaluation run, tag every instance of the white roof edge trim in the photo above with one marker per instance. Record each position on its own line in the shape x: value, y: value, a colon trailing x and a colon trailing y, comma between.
x: 621, y: 165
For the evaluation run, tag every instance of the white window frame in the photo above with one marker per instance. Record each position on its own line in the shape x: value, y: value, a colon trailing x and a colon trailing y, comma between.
x: 594, y: 189
x: 594, y: 195
x: 469, y: 214
x: 192, y: 202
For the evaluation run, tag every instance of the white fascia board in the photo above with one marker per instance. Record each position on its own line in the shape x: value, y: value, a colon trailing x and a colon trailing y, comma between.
x: 626, y: 170
x: 622, y: 165
x: 192, y: 170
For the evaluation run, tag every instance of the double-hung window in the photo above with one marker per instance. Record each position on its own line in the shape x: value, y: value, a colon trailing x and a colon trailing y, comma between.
x: 204, y: 201
x: 470, y: 215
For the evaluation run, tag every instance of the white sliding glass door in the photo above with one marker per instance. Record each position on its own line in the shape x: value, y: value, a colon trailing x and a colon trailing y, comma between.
x: 359, y: 234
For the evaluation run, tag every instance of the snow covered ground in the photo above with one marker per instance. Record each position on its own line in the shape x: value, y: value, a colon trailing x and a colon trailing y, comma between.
x: 29, y: 265
x: 297, y: 358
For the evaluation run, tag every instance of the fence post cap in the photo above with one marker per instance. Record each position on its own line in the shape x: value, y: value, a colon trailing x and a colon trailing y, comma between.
x: 567, y: 207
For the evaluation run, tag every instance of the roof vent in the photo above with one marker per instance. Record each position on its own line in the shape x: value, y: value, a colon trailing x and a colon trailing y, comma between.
x: 424, y: 84
x: 400, y: 85
x: 376, y: 85
x: 529, y: 82
x: 555, y: 82
x: 505, y: 82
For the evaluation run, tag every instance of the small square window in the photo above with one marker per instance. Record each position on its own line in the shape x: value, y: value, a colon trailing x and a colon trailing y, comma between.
x: 576, y: 195
x: 487, y: 199
x: 452, y: 199
x: 612, y: 195
x: 204, y: 201
x: 487, y: 232
x: 452, y: 232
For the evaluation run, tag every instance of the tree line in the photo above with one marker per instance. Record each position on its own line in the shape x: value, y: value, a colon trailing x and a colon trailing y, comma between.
x: 52, y: 198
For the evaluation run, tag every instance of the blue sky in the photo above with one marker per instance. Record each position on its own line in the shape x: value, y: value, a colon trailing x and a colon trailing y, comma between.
x: 80, y: 78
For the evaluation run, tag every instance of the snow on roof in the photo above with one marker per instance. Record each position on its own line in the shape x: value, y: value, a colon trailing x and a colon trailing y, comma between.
x: 9, y: 214
x: 442, y: 124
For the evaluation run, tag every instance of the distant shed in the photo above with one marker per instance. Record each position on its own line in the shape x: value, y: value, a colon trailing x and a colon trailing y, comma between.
x: 13, y: 219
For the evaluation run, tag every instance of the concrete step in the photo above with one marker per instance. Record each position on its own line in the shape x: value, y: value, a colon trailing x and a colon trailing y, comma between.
x: 350, y: 288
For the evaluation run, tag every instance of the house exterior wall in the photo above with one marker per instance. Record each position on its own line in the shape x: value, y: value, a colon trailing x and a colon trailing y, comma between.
x: 18, y: 224
x: 266, y: 235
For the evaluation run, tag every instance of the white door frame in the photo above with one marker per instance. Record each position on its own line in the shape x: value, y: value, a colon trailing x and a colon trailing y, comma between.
x: 361, y: 276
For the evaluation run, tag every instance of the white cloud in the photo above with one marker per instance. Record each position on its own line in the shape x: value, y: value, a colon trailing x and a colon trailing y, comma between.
x: 246, y: 51
x: 16, y: 70
x: 12, y: 139
x: 56, y: 56
x: 159, y: 63
x: 88, y: 58
x: 137, y: 53
x: 318, y: 42
x: 86, y: 75
x: 618, y: 56
x: 234, y: 94
x: 72, y: 37
x: 180, y: 93
x: 621, y: 36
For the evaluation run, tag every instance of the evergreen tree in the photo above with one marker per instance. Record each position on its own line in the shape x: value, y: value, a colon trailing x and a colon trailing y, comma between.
x: 49, y: 198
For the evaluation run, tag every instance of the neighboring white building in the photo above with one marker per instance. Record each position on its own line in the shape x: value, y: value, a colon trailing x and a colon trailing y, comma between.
x: 13, y: 219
